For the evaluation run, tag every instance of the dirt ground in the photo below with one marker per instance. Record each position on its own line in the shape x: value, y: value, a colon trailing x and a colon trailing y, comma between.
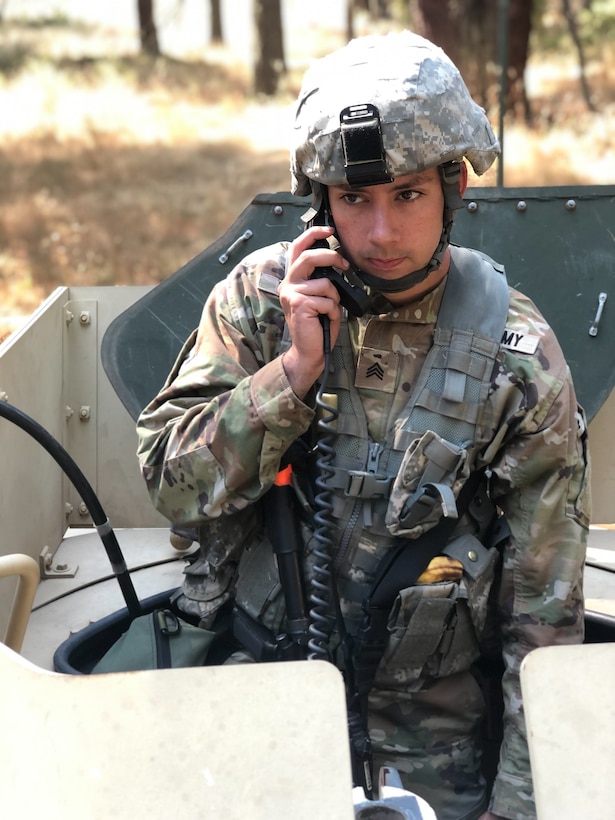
x: 119, y: 169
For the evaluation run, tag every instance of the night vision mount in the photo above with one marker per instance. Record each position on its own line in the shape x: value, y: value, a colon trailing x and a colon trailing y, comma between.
x: 364, y: 155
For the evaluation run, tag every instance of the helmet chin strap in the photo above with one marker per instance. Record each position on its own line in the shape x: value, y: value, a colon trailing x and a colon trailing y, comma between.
x: 410, y: 280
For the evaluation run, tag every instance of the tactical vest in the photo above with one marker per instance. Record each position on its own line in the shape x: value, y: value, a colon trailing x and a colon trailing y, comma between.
x: 382, y: 492
x: 400, y: 487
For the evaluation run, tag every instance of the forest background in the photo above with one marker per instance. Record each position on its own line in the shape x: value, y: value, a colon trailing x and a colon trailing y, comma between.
x: 122, y: 157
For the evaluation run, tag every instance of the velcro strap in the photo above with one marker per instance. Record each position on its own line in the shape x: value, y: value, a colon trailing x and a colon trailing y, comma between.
x: 454, y: 386
x: 372, y: 639
x: 422, y: 502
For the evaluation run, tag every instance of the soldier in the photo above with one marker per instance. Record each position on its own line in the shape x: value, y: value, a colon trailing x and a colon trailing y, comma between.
x: 448, y: 379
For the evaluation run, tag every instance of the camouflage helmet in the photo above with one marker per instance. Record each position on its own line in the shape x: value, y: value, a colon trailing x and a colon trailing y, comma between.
x: 427, y: 116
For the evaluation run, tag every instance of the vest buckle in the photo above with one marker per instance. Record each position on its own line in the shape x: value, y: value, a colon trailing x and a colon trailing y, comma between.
x: 362, y: 484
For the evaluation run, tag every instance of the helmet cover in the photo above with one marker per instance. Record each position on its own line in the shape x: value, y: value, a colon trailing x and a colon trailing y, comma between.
x: 426, y: 112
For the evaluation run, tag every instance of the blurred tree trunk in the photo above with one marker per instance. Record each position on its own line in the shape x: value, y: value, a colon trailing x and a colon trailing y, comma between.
x: 147, y: 27
x: 382, y: 8
x: 468, y: 32
x: 376, y: 8
x: 270, y: 63
x: 216, y: 22
x: 438, y: 21
x: 578, y: 43
x: 350, y: 5
x: 520, y: 15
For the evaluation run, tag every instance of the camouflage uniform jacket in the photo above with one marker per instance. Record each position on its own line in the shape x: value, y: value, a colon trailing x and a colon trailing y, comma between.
x: 211, y: 442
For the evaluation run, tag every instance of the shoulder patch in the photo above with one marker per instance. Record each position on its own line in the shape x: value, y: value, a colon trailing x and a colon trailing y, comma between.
x: 519, y: 341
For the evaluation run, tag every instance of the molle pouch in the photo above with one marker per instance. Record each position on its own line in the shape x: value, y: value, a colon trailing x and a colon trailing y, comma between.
x: 210, y: 573
x: 205, y: 590
x: 479, y: 566
x: 427, y: 483
x: 206, y: 583
x: 431, y: 635
x: 258, y: 590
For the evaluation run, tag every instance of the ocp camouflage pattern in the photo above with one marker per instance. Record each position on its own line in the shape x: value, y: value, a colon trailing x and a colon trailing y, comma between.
x: 210, y: 445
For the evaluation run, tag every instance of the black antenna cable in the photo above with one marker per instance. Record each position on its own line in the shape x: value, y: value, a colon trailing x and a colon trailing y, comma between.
x: 85, y: 490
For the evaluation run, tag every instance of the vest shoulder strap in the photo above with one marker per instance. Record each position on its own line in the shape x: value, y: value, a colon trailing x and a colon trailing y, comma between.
x: 476, y: 295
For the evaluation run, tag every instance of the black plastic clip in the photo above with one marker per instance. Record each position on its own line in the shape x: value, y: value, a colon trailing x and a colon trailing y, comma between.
x: 364, y: 154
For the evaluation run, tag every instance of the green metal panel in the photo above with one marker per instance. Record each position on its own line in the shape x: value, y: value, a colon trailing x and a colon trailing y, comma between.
x: 141, y: 345
x: 558, y: 246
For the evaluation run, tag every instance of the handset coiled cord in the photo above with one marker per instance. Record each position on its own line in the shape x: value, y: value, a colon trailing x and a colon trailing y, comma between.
x: 322, y: 617
x: 324, y: 610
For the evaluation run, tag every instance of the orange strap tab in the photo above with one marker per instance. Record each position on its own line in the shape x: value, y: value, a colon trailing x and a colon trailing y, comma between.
x: 283, y: 478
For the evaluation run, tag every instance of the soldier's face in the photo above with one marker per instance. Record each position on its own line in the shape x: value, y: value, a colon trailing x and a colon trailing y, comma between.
x: 392, y: 229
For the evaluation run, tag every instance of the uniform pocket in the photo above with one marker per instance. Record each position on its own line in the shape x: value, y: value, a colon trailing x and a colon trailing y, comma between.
x: 578, y: 502
x: 429, y: 479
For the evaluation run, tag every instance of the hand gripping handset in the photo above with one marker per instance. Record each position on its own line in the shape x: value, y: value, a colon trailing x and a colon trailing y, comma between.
x: 352, y: 297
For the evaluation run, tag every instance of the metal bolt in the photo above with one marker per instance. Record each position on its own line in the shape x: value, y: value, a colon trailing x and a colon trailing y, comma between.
x: 472, y: 207
x: 521, y: 206
x: 84, y: 317
x: 69, y: 316
x: 278, y: 210
x: 473, y: 555
x: 83, y: 510
x: 84, y: 413
x: 68, y: 508
x: 4, y: 396
x: 571, y: 205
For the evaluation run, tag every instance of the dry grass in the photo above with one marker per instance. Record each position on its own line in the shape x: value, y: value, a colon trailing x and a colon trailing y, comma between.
x: 120, y: 169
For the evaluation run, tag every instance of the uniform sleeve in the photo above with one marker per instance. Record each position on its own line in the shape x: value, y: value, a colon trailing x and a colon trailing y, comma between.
x: 541, y: 482
x: 211, y: 442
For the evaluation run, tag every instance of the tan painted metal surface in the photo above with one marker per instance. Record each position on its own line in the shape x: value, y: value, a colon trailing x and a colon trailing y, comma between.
x: 237, y: 742
x: 27, y: 571
x: 570, y: 713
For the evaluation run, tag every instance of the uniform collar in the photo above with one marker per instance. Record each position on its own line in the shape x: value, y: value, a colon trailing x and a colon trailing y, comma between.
x: 423, y: 311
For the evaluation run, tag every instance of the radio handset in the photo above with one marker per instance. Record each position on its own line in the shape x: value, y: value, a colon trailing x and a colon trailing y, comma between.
x: 352, y: 297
